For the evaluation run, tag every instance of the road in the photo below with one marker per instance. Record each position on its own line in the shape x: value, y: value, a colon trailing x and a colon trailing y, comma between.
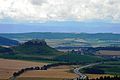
x: 81, y: 75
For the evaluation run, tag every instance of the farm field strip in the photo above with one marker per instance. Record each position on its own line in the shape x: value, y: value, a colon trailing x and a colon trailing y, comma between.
x: 11, y: 66
x: 109, y: 53
x: 8, y: 67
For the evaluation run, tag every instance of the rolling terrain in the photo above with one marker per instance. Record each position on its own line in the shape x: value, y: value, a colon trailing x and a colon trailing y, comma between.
x: 69, y: 39
x: 8, y: 42
x: 50, y: 35
x: 60, y: 72
x: 40, y: 52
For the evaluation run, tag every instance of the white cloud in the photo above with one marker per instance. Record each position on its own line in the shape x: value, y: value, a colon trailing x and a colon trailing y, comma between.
x: 45, y: 10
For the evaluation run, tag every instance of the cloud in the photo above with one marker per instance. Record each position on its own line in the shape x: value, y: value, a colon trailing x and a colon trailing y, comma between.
x: 60, y: 10
x: 38, y: 2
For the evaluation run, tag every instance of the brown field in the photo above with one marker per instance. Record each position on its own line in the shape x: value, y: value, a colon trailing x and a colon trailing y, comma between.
x: 91, y: 76
x: 109, y: 53
x: 28, y: 78
x: 8, y: 67
x: 57, y: 72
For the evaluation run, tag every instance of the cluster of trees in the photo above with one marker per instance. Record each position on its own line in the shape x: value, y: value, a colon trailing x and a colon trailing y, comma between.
x: 93, y: 70
x: 36, y: 42
x: 91, y: 49
x: 107, y: 78
x: 102, y: 78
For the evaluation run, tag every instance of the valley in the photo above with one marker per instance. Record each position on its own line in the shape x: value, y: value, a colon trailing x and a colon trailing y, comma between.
x: 37, y: 51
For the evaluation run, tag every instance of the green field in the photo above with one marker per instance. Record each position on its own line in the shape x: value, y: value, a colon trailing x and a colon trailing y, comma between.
x: 112, y: 68
x: 68, y: 57
x: 71, y: 57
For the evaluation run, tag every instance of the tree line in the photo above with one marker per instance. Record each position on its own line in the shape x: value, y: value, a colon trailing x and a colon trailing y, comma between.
x: 107, y: 78
x: 44, y: 67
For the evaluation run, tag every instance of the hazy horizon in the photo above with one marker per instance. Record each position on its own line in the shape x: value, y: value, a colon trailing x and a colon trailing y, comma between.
x: 72, y: 16
x: 66, y: 27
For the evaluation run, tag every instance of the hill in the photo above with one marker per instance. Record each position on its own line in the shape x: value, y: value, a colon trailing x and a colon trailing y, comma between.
x: 8, y: 42
x: 38, y: 50
x: 35, y: 47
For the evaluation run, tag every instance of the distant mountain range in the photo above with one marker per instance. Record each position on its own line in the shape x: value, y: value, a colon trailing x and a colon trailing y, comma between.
x: 8, y: 42
x: 49, y: 35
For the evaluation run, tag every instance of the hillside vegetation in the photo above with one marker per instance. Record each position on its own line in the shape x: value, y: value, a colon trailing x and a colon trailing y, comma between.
x: 8, y: 42
x: 69, y: 39
x: 112, y: 67
x: 38, y: 50
x: 4, y: 50
x: 70, y: 57
x: 35, y: 47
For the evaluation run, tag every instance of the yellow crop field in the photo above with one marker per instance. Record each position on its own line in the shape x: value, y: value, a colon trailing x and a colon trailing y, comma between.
x: 106, y: 52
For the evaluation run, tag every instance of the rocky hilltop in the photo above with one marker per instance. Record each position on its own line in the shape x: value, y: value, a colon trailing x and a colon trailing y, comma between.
x: 35, y: 42
x: 34, y: 47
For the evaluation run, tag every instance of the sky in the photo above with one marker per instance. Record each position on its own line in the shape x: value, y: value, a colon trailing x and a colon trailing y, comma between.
x: 90, y: 16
